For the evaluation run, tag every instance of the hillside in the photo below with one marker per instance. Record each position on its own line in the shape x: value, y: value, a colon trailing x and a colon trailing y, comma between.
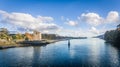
x: 113, y: 36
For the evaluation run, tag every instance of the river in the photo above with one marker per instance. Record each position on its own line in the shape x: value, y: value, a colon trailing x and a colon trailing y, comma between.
x: 91, y: 52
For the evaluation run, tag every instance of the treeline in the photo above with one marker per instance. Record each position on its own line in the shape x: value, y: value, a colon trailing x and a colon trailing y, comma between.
x: 5, y: 35
x: 113, y: 36
x: 49, y: 36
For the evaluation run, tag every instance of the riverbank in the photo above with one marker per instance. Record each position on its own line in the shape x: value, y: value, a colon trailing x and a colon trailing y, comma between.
x: 25, y: 43
x: 4, y: 45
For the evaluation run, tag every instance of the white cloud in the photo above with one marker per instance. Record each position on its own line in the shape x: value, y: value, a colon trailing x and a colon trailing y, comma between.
x: 68, y: 32
x: 27, y: 21
x: 92, y: 18
x: 95, y: 19
x: 94, y: 30
x: 113, y: 16
x: 23, y: 21
x: 72, y: 23
x: 77, y: 33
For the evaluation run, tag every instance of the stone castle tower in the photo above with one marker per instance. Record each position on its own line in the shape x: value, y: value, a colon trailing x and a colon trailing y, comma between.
x: 37, y: 35
x: 34, y: 36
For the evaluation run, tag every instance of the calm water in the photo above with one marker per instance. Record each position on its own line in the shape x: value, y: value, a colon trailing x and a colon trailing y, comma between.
x: 91, y: 52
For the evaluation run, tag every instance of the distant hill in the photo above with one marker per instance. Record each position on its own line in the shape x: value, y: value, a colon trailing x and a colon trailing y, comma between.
x: 99, y: 36
x: 69, y: 37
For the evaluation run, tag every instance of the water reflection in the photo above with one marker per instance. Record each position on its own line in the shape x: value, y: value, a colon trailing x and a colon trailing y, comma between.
x: 113, y: 56
x: 94, y: 52
x: 36, y: 56
x: 81, y: 53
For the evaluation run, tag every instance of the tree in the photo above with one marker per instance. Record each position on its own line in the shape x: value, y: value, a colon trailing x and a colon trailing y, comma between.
x: 18, y: 36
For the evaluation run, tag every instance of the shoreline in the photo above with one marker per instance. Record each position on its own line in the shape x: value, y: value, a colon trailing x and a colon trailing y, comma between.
x: 28, y: 43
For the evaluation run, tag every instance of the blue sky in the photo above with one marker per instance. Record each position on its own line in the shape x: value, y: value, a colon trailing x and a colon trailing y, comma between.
x: 63, y: 17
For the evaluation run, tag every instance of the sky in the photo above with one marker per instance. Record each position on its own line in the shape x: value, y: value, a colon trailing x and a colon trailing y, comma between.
x: 63, y: 17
